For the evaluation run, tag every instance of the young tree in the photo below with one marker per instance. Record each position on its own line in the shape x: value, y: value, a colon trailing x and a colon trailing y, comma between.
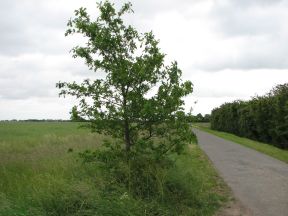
x: 140, y: 98
x: 75, y: 114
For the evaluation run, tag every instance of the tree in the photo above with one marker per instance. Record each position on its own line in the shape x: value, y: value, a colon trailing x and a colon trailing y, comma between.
x: 206, y: 118
x: 75, y: 115
x: 199, y: 117
x: 140, y: 99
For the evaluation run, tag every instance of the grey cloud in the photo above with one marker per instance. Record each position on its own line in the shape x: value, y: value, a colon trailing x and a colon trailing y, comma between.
x: 266, y: 60
x: 211, y: 92
x: 33, y: 76
x: 31, y: 27
x: 232, y: 20
x: 257, y: 3
x: 24, y: 88
x: 259, y: 25
x: 152, y: 7
x: 235, y: 22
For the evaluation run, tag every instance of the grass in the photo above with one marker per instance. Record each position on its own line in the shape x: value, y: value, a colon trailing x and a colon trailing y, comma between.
x: 198, y: 176
x: 265, y: 148
x: 40, y: 174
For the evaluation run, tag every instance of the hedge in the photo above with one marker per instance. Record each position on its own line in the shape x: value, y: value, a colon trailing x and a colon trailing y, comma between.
x: 263, y: 118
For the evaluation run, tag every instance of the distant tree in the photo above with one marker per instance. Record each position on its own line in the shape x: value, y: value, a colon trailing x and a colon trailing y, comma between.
x: 75, y: 114
x: 199, y: 117
x: 206, y: 118
x: 139, y: 99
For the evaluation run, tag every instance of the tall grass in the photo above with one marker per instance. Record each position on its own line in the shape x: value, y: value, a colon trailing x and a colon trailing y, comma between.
x: 41, y: 174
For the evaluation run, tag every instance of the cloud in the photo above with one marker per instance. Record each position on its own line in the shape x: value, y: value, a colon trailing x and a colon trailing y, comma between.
x: 213, y: 36
x: 249, y: 3
x: 236, y: 83
x: 247, y: 52
x: 250, y: 18
x: 151, y: 8
x: 35, y: 75
x: 252, y: 34
x: 33, y: 26
x: 40, y: 108
x: 213, y: 89
x: 229, y: 49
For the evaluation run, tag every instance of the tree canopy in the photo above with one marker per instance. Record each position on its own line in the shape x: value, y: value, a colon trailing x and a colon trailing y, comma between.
x: 140, y: 100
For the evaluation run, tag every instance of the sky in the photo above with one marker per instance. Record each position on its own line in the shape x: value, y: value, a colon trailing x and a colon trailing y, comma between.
x: 229, y: 49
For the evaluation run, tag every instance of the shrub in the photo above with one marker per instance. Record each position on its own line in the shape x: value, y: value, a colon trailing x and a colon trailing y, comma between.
x: 263, y: 118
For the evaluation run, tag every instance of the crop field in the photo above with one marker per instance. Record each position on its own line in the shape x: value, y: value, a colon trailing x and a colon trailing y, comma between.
x: 42, y: 174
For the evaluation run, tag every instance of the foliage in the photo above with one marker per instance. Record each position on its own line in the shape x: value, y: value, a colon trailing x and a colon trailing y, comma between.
x: 75, y: 115
x: 142, y: 176
x: 199, y: 118
x: 206, y: 118
x: 42, y: 178
x: 139, y: 99
x: 263, y: 118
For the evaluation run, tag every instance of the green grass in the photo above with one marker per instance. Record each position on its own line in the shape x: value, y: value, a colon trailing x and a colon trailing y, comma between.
x: 195, y: 172
x: 265, y: 148
x: 40, y: 175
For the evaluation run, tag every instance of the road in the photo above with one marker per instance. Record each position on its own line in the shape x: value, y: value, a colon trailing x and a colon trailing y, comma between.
x: 260, y: 182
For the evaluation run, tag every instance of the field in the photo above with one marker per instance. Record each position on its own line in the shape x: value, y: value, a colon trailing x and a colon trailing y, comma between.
x: 268, y: 149
x: 42, y: 174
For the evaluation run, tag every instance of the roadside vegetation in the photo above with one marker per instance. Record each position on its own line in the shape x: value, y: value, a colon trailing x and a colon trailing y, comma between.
x: 263, y: 118
x: 41, y: 173
x: 265, y: 148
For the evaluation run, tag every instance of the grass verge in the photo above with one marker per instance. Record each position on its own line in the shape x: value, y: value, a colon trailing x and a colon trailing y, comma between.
x: 267, y: 149
x: 40, y: 174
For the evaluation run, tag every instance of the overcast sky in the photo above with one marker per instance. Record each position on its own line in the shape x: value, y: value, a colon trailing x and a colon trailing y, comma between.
x: 229, y: 49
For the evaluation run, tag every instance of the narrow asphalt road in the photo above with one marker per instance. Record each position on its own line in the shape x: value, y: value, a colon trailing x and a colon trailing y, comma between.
x: 257, y: 180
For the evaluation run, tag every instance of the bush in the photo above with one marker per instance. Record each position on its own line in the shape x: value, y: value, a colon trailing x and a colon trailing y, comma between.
x: 262, y: 118
x: 165, y: 185
x: 142, y: 175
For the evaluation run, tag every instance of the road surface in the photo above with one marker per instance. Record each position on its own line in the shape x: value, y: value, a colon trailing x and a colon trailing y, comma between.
x: 260, y: 182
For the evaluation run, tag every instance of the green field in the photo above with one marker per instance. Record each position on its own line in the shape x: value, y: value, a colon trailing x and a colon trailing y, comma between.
x: 270, y: 150
x: 41, y: 174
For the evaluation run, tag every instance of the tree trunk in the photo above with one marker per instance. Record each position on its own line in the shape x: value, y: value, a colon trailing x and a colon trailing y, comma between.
x: 126, y: 122
x: 127, y: 135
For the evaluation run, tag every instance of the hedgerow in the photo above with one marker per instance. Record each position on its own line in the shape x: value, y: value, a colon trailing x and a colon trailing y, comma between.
x: 263, y: 118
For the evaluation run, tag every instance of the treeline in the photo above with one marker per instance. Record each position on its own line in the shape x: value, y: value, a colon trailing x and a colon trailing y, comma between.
x: 199, y: 118
x: 263, y: 118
